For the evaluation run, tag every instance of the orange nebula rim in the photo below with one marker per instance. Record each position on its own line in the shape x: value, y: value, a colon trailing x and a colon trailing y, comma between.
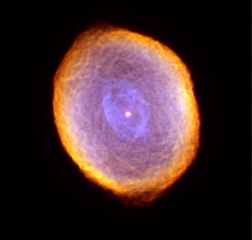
x: 80, y: 56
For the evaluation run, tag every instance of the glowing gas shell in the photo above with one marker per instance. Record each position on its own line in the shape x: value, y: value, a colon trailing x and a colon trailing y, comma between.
x: 125, y: 112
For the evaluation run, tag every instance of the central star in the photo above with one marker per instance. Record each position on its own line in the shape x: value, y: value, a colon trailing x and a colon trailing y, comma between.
x: 127, y: 114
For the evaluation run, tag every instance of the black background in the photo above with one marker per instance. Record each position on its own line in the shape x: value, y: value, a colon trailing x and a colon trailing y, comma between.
x: 212, y: 199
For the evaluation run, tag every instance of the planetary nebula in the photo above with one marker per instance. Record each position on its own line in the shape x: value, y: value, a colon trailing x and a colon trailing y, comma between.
x: 126, y: 113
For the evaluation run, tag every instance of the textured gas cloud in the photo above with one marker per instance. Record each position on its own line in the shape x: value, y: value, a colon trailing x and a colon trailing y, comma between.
x: 125, y: 112
x: 120, y: 101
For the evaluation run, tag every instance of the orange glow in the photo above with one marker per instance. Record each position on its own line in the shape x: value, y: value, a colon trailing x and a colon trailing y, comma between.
x: 137, y: 170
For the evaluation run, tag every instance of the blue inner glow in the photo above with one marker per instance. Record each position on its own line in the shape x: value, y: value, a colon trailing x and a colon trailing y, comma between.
x: 119, y: 98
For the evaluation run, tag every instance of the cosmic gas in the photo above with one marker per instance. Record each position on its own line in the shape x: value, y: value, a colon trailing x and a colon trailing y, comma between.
x: 126, y: 113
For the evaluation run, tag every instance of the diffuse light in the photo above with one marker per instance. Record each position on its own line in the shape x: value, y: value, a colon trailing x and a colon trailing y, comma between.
x: 126, y: 113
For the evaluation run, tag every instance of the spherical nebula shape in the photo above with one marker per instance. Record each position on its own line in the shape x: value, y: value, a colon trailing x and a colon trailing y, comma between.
x: 126, y: 113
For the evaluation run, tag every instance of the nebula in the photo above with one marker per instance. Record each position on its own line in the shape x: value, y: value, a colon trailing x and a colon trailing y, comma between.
x: 126, y: 113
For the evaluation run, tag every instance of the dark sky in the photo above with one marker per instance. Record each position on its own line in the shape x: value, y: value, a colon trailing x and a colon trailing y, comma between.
x: 212, y: 198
